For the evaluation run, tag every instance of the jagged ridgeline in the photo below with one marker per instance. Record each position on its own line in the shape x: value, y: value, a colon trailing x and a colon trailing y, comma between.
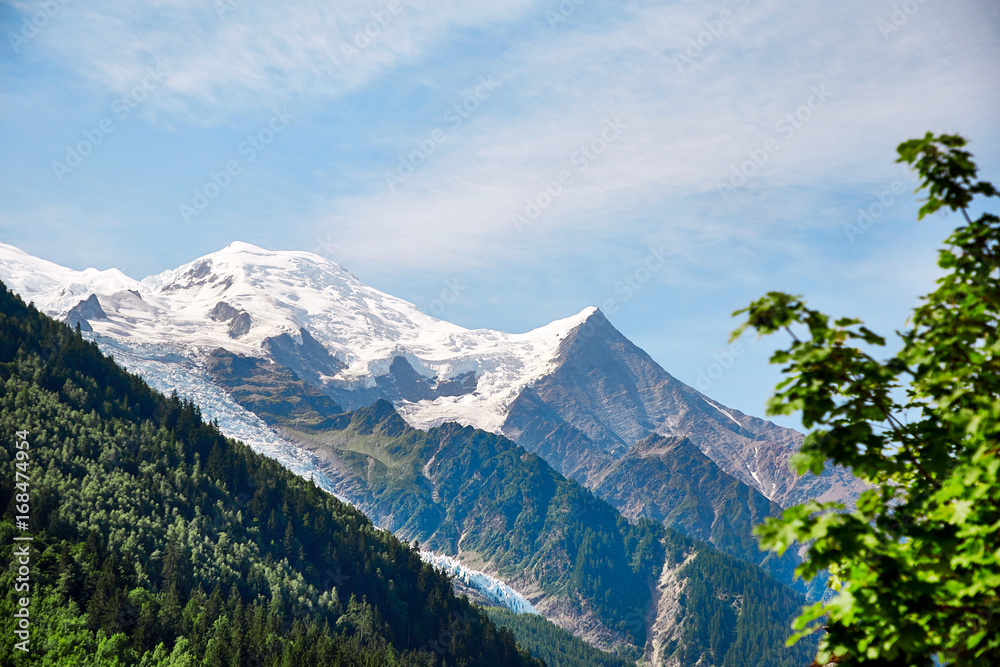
x: 157, y: 541
x: 638, y: 588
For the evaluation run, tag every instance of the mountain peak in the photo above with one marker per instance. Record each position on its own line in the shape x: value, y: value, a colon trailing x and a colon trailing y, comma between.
x: 249, y: 254
x: 237, y: 248
x: 567, y: 325
x: 243, y: 246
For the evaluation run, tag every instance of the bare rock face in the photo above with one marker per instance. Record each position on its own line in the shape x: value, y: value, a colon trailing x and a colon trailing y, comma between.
x: 239, y: 320
x: 606, y: 395
x: 87, y: 309
x: 671, y: 481
x: 664, y: 628
x: 223, y: 312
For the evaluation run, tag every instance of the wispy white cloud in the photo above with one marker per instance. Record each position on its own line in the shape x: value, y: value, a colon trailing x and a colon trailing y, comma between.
x: 684, y: 130
x: 230, y: 56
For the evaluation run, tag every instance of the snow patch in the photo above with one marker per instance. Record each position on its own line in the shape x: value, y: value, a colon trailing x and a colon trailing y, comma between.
x: 719, y: 408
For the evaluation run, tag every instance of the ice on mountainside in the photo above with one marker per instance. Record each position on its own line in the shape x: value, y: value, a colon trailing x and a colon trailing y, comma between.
x: 491, y: 588
x: 164, y: 371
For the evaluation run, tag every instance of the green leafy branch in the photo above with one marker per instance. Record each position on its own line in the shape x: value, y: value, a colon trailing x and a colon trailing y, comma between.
x: 915, y: 566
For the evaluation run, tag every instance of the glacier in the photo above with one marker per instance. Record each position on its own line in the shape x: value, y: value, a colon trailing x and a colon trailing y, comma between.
x: 491, y: 588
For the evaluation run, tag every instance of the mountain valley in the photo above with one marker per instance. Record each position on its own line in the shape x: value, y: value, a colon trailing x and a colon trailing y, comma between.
x: 490, y: 448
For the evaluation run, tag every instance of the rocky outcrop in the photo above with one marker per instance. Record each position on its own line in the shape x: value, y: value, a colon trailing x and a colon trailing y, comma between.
x: 605, y: 395
x: 239, y: 320
x: 671, y: 481
x: 88, y: 309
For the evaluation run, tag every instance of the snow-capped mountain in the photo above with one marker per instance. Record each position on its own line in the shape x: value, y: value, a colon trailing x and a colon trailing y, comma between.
x: 253, y: 302
x: 575, y: 391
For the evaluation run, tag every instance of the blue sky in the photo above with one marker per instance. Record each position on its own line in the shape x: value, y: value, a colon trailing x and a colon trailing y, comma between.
x: 508, y: 163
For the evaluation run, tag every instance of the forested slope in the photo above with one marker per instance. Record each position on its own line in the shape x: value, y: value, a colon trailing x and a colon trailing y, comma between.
x: 546, y: 640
